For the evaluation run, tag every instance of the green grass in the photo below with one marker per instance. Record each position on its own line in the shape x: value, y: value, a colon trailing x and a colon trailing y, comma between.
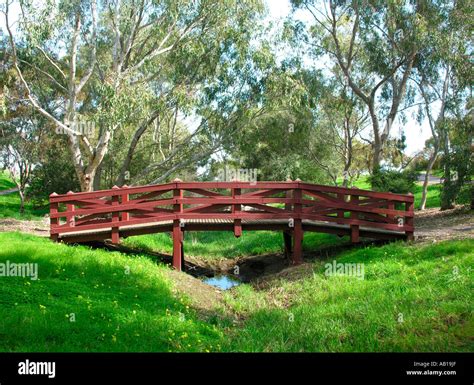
x: 433, y: 197
x: 114, y: 311
x: 10, y: 203
x: 223, y: 244
x: 5, y: 181
x: 141, y: 311
x: 410, y: 300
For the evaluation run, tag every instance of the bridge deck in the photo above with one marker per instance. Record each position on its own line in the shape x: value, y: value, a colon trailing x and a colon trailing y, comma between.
x: 290, y: 207
x: 224, y: 225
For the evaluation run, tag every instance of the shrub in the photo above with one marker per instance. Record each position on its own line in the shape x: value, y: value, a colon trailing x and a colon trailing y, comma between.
x: 401, y: 182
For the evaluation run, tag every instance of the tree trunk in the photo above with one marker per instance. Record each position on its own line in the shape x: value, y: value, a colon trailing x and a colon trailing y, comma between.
x: 429, y: 167
x: 377, y: 145
x: 97, y: 178
x: 22, y: 200
x: 447, y: 194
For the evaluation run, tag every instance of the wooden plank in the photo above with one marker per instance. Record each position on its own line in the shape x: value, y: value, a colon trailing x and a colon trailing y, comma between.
x: 298, y: 230
x: 115, y: 220
x: 359, y: 192
x: 112, y: 192
x: 354, y: 215
x: 363, y: 209
x: 122, y: 207
x: 236, y: 209
x: 409, y: 207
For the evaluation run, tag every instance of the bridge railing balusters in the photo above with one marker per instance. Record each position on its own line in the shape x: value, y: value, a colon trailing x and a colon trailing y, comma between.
x: 177, y: 230
x: 354, y: 215
x: 115, y: 217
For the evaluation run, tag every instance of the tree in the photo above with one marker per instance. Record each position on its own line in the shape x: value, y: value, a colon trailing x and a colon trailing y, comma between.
x: 99, y: 73
x: 340, y: 120
x: 21, y: 131
x: 442, y: 78
x: 375, y: 46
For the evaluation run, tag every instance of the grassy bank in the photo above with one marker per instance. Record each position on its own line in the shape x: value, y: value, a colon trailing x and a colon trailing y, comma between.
x: 223, y: 244
x: 411, y: 298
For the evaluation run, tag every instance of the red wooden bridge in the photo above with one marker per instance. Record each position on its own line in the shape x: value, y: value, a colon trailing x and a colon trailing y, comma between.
x: 292, y: 207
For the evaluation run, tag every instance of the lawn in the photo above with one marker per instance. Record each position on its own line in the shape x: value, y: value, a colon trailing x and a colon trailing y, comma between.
x: 412, y: 298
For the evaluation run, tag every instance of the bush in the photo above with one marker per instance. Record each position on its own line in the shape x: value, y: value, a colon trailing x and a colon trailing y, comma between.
x: 55, y: 173
x: 393, y: 181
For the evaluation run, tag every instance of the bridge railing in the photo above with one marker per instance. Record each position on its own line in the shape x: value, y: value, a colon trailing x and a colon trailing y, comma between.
x: 176, y: 202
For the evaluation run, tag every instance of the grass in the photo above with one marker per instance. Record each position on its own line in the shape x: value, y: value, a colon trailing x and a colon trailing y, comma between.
x: 432, y: 200
x: 223, y: 244
x: 5, y: 181
x: 410, y: 300
x: 413, y: 298
x: 113, y: 310
x: 10, y: 203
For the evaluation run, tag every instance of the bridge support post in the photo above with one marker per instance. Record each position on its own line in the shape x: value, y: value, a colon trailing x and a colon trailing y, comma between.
x: 53, y: 209
x: 354, y: 215
x: 298, y: 243
x: 298, y: 229
x: 178, y: 255
x: 177, y: 246
x: 115, y: 218
x: 409, y: 206
x: 236, y: 208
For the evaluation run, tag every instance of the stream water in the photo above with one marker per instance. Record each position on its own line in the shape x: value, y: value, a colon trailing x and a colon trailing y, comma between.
x: 222, y: 282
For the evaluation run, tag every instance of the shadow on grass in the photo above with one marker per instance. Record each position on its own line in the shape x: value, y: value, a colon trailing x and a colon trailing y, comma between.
x: 93, y: 301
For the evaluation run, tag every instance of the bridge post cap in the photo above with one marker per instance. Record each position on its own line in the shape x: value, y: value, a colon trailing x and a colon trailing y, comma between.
x: 177, y: 180
x: 53, y: 194
x: 125, y: 186
x: 70, y: 192
x: 297, y: 180
x: 289, y: 180
x: 115, y: 187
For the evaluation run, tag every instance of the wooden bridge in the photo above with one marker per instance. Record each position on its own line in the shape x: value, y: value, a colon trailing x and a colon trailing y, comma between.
x: 292, y: 207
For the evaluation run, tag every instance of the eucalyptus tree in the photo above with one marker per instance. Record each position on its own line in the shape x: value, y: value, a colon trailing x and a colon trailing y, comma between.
x: 443, y: 74
x: 340, y: 119
x: 375, y: 44
x: 113, y: 63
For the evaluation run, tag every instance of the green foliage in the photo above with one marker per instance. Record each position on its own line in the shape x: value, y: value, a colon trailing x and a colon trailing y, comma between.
x: 54, y: 173
x: 393, y: 181
x: 458, y: 163
x: 10, y: 203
